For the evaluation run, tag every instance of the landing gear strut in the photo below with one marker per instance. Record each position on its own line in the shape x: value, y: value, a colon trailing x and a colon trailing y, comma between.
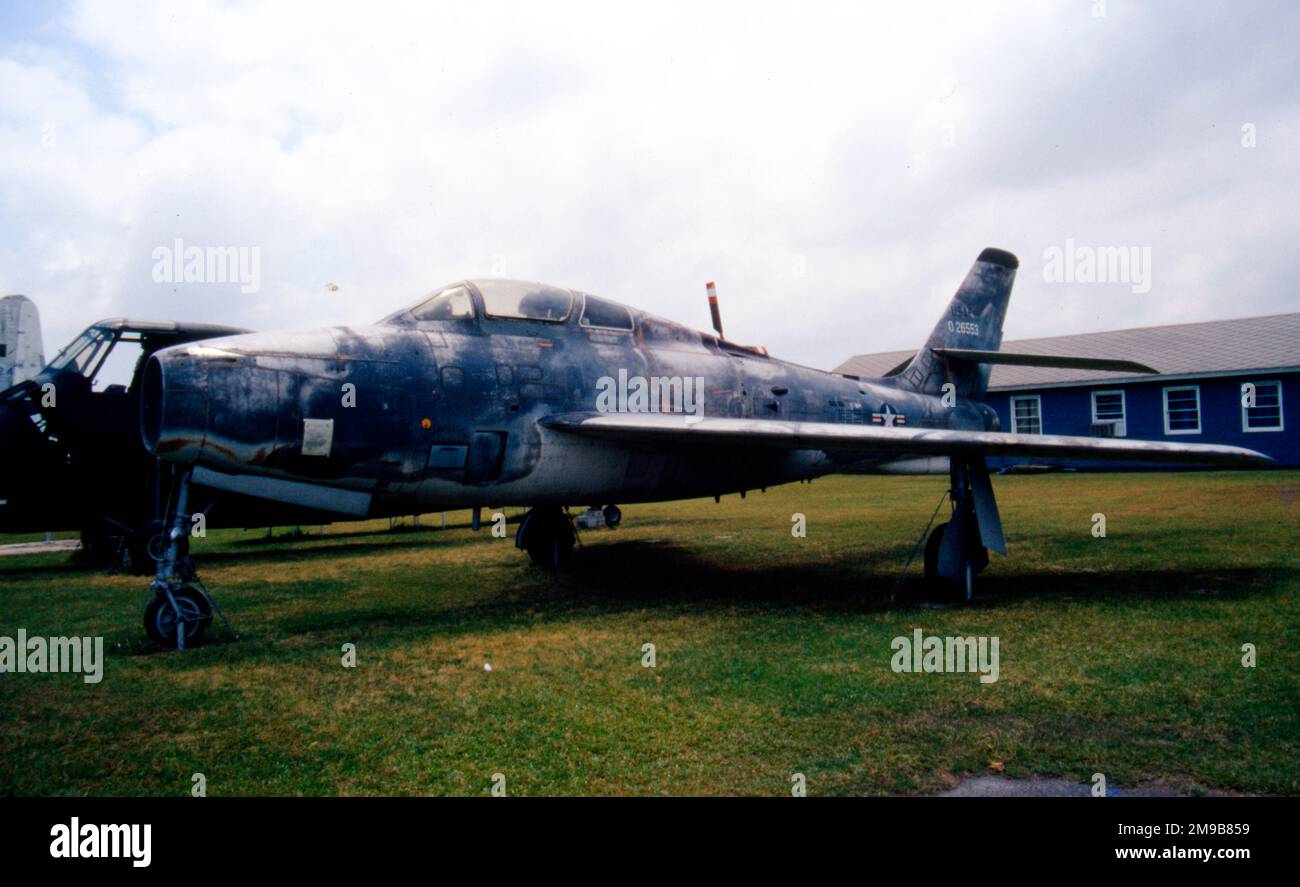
x: 547, y: 535
x: 955, y: 552
x: 180, y: 610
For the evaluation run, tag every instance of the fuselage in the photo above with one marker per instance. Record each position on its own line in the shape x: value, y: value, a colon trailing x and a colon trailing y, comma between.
x: 428, y: 411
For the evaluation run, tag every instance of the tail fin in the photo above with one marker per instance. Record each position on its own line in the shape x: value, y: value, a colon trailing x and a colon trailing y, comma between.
x: 21, y: 355
x: 973, y: 322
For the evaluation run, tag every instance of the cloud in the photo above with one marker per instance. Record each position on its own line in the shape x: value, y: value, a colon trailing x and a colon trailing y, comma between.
x: 835, y: 170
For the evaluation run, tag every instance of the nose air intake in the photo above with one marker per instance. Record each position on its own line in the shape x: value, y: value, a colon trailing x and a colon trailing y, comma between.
x: 152, y: 405
x: 173, y: 406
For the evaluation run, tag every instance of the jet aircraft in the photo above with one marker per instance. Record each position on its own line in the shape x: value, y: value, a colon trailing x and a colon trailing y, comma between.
x: 493, y: 392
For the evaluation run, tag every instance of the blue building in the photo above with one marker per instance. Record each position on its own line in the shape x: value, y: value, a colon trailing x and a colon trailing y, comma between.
x: 1225, y: 382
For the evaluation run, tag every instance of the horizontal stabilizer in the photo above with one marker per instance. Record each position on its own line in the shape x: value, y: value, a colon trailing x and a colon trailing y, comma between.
x: 1045, y: 360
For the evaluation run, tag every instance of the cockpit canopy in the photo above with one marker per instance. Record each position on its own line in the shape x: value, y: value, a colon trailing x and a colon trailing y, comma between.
x: 525, y: 301
x: 451, y: 303
x: 80, y: 354
x: 510, y: 299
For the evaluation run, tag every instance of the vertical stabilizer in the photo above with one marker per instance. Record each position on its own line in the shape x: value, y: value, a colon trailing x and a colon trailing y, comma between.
x: 972, y: 321
x: 21, y: 353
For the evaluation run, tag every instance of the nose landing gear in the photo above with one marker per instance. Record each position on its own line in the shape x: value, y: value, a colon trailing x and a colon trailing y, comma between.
x: 181, y: 610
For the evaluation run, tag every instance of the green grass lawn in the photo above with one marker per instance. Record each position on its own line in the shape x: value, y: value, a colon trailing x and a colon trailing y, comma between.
x: 1118, y: 655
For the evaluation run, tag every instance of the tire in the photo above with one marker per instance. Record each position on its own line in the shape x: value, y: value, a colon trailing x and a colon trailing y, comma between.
x: 160, y: 619
x: 142, y: 544
x: 97, y: 547
x: 548, y: 538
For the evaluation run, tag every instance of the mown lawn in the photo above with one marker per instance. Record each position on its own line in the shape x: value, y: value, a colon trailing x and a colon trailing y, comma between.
x: 1118, y: 655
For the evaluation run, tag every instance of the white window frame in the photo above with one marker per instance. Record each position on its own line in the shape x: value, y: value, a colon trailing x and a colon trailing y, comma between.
x: 1034, y: 397
x: 1281, y: 415
x: 1121, y: 429
x: 1165, y: 398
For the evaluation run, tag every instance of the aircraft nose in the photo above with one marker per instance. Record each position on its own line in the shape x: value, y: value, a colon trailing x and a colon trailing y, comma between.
x: 211, y: 402
x: 174, y: 405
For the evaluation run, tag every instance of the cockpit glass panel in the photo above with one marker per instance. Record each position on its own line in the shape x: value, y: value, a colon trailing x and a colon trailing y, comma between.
x: 83, y: 354
x: 452, y: 303
x: 605, y: 314
x: 525, y: 301
x: 120, y: 365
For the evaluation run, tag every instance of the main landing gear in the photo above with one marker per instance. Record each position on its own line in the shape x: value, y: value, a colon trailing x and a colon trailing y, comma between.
x: 180, y: 611
x: 547, y: 534
x: 955, y: 552
x: 944, y: 587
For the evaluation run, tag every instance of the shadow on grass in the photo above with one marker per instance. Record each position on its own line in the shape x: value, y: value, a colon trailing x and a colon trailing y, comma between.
x: 23, y: 569
x: 429, y: 529
x: 637, y: 575
x: 279, y: 549
x: 326, y: 548
x: 1154, y: 585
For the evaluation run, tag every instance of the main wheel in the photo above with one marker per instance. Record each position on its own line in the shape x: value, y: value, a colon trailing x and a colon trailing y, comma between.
x: 195, y: 614
x: 548, y: 537
x: 97, y: 544
x: 146, y: 546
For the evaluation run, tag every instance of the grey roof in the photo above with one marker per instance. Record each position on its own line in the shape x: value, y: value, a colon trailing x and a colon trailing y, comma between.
x: 1216, y: 346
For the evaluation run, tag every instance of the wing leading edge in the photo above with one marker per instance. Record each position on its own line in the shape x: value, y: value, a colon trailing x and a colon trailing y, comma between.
x: 681, y: 430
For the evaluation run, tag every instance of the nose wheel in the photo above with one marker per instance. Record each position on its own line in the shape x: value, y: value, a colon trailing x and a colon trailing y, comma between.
x: 177, y: 617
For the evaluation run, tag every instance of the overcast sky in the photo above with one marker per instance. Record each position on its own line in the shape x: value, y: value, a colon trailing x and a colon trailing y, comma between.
x: 834, y: 167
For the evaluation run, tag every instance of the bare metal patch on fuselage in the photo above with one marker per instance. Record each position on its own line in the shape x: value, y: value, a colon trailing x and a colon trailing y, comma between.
x: 317, y: 437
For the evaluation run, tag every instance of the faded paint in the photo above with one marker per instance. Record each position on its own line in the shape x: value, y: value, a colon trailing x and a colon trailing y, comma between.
x: 517, y: 397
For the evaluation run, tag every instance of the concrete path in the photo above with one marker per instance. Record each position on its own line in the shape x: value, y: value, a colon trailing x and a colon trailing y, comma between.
x: 39, y: 547
x: 1040, y: 787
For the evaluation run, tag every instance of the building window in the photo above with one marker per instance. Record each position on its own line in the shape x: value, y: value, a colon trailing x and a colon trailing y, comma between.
x: 1027, y: 414
x: 1183, y: 410
x: 1108, y: 409
x: 1266, y: 414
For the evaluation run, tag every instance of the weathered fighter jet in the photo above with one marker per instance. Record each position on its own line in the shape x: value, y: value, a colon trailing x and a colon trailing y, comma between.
x: 498, y: 392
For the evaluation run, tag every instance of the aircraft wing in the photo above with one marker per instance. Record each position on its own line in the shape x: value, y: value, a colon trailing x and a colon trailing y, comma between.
x: 682, y: 430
